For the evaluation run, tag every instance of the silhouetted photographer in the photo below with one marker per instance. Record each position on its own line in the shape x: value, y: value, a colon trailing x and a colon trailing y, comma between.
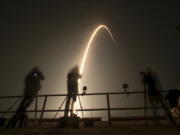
x: 32, y: 86
x: 72, y: 86
x: 152, y: 86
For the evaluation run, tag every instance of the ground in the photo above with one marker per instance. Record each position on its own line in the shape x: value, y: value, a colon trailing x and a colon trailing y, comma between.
x: 117, y: 128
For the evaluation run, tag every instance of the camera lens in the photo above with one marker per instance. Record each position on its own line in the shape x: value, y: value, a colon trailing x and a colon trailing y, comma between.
x: 35, y: 74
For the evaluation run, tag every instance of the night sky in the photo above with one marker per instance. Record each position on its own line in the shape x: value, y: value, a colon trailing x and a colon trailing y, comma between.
x: 53, y: 35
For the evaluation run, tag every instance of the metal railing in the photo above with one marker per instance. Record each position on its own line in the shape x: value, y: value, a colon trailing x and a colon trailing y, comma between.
x: 108, y: 108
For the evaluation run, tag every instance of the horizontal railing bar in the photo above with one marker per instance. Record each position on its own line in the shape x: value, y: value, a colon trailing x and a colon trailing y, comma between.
x: 10, y: 96
x: 94, y: 109
x: 88, y: 94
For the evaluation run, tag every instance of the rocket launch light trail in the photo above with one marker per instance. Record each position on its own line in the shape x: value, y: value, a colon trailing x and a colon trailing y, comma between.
x: 88, y: 47
x: 90, y: 42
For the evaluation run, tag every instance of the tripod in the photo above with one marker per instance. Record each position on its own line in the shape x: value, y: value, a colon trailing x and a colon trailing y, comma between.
x: 65, y: 99
x: 2, y: 117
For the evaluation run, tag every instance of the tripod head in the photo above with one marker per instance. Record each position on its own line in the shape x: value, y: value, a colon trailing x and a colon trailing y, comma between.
x: 84, y: 90
x: 125, y: 86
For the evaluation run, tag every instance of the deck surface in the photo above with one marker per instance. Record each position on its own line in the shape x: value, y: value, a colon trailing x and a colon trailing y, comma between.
x: 117, y: 128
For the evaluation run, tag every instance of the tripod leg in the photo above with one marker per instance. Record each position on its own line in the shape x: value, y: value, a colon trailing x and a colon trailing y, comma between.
x: 66, y: 112
x: 72, y: 107
x: 81, y: 106
x: 58, y: 110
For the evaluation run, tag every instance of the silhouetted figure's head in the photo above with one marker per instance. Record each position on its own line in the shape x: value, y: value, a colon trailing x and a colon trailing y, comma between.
x: 73, y: 77
x: 36, y: 73
x: 33, y: 82
x: 149, y: 71
x: 74, y: 74
x: 146, y: 72
x: 75, y: 70
x: 151, y: 81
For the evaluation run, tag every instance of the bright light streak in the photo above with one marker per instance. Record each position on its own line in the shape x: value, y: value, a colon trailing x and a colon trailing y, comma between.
x: 86, y: 52
x: 90, y: 42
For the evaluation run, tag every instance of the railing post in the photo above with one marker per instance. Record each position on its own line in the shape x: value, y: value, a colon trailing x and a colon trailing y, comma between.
x: 36, y: 106
x: 145, y: 106
x: 109, y: 110
x: 43, y: 108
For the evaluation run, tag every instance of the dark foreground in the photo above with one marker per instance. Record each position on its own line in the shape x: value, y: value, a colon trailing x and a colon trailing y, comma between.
x: 101, y: 128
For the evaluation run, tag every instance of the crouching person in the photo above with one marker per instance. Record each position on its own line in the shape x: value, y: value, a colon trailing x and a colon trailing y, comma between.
x: 173, y: 97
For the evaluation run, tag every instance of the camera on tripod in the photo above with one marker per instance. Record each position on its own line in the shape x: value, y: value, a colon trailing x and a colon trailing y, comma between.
x: 125, y: 86
x: 84, y: 90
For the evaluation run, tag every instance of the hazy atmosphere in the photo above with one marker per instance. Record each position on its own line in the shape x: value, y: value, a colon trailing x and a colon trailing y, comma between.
x: 53, y: 36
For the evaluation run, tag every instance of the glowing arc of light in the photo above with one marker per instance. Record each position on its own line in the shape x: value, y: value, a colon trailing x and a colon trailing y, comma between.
x: 90, y: 42
x: 87, y: 49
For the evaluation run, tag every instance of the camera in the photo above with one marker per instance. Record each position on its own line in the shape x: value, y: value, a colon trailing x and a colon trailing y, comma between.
x: 84, y: 90
x: 141, y: 73
x: 35, y: 74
